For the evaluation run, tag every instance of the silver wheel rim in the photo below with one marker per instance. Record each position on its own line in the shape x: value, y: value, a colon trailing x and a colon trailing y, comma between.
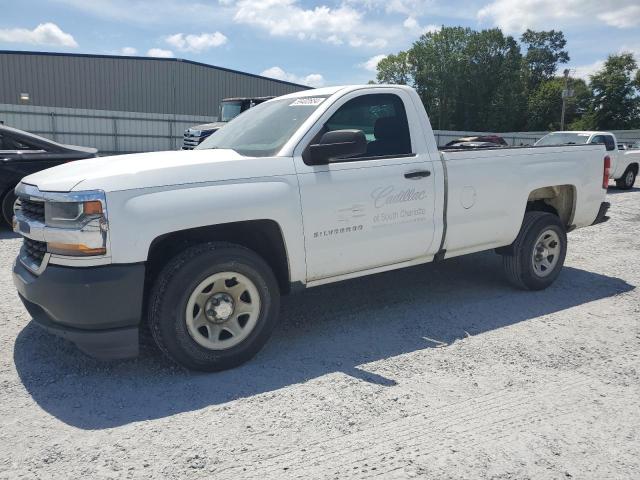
x: 629, y: 179
x: 222, y: 310
x: 546, y: 253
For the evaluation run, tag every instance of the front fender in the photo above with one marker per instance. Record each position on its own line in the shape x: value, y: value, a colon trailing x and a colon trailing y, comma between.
x: 137, y: 217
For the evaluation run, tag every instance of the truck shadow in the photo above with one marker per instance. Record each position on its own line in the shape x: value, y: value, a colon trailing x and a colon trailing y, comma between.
x: 332, y: 329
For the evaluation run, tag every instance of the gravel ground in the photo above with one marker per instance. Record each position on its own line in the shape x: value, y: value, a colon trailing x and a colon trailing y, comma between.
x: 441, y: 371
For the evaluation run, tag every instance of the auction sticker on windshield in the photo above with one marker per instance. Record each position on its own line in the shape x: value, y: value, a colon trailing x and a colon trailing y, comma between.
x: 307, y: 101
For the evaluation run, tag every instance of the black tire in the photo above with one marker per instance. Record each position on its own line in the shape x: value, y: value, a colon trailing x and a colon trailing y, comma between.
x: 7, y: 207
x: 628, y: 179
x: 175, y: 284
x: 519, y: 264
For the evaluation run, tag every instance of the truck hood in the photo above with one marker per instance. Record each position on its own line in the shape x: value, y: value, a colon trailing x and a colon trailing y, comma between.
x: 156, y: 169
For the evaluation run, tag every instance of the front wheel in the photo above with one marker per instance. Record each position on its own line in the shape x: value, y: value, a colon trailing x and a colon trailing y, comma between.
x: 213, y: 306
x: 627, y: 180
x: 537, y: 255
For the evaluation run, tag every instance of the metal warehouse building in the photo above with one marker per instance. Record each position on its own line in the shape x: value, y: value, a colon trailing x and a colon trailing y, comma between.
x: 117, y: 103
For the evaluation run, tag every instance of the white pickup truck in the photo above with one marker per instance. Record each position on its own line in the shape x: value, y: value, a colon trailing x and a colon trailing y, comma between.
x: 306, y: 189
x: 624, y: 162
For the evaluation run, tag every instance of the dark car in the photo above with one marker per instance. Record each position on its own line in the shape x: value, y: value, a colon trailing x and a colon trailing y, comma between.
x: 22, y: 153
x: 496, y: 140
x: 466, y: 145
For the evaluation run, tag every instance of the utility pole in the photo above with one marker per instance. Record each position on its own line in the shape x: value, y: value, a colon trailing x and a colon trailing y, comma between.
x: 566, y: 93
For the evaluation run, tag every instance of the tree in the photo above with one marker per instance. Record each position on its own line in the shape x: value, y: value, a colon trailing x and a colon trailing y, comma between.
x: 440, y: 66
x: 395, y: 69
x: 468, y: 80
x: 616, y: 104
x: 480, y: 80
x: 500, y: 67
x: 544, y: 105
x: 545, y: 52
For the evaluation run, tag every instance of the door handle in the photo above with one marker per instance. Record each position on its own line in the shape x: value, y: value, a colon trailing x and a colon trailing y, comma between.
x: 417, y: 174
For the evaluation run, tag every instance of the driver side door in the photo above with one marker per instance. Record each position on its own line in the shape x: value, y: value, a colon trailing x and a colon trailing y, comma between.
x: 374, y: 210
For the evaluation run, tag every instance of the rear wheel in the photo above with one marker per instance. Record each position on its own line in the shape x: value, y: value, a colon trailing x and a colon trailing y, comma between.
x: 627, y: 180
x: 7, y: 207
x: 537, y: 255
x: 213, y: 306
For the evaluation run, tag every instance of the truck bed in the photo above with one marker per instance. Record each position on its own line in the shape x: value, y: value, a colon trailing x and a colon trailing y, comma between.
x: 488, y: 189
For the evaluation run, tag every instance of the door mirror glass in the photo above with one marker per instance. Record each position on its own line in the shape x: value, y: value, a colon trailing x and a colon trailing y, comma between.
x: 338, y: 145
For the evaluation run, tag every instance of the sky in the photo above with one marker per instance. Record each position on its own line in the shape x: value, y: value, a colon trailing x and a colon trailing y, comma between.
x: 314, y: 43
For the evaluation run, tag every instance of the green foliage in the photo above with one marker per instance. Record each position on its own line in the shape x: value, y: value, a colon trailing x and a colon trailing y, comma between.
x: 394, y: 69
x: 585, y: 122
x: 545, y: 52
x: 615, y: 103
x: 440, y: 72
x: 468, y: 78
x: 544, y: 105
x: 481, y: 80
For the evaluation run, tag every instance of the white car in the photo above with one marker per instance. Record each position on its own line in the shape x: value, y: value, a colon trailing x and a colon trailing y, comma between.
x: 306, y: 189
x: 624, y: 162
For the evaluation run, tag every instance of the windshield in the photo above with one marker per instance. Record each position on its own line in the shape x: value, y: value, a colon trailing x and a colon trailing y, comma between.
x: 563, y: 138
x: 230, y: 110
x: 263, y: 130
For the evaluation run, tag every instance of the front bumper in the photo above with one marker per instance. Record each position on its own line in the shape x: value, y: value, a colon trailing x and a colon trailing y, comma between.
x: 602, y: 213
x: 97, y: 308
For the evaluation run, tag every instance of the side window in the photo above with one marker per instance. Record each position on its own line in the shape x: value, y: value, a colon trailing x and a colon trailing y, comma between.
x: 7, y: 143
x: 598, y: 139
x: 20, y: 144
x: 383, y: 120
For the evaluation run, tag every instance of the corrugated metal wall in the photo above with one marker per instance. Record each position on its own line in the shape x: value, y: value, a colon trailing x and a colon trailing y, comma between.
x: 107, y: 130
x: 128, y: 84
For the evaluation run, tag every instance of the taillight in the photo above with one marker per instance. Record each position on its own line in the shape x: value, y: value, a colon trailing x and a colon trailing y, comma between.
x: 606, y: 171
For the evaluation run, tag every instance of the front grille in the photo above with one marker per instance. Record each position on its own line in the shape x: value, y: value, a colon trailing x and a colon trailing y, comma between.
x: 190, y: 142
x: 34, y: 250
x: 32, y: 210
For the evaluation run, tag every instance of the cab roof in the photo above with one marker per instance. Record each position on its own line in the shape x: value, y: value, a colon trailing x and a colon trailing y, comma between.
x: 328, y: 91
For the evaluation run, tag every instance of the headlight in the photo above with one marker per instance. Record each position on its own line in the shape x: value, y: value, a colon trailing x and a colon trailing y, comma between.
x: 80, y: 222
x: 71, y: 214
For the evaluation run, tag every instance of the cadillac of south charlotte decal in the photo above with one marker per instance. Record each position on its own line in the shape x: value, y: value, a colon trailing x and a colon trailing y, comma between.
x: 392, y: 206
x: 387, y: 207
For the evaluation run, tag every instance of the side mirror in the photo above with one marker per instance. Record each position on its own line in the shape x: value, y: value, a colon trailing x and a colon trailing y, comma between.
x: 609, y: 144
x: 337, y: 145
